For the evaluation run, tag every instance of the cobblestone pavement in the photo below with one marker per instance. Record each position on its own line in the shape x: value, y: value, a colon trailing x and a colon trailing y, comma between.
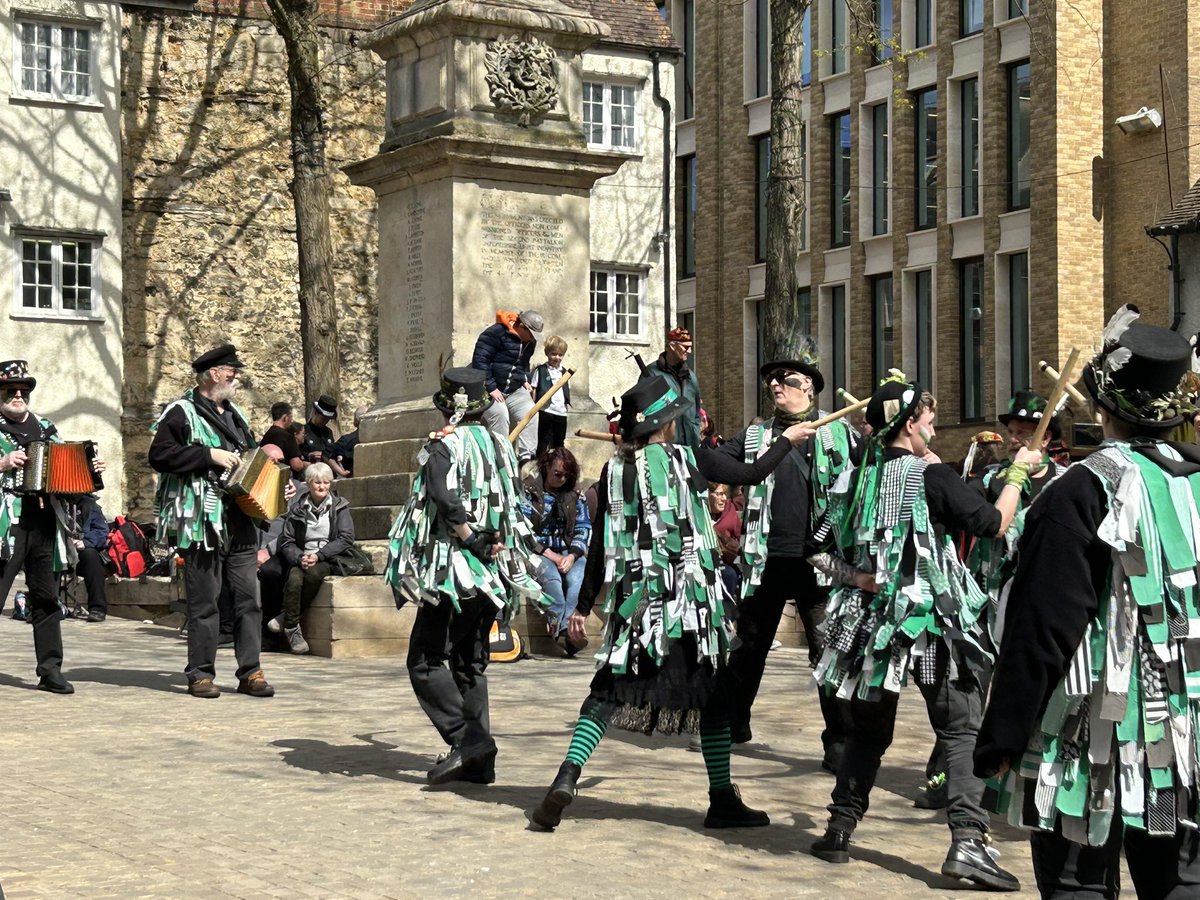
x: 131, y: 788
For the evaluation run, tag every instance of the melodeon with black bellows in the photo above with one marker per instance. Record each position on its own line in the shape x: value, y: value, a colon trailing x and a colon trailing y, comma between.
x: 257, y: 485
x: 58, y: 468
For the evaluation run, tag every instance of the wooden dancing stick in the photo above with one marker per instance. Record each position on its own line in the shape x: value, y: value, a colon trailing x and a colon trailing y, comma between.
x: 512, y: 435
x: 847, y: 396
x: 844, y: 411
x: 1052, y: 401
x: 1069, y: 388
x: 598, y: 436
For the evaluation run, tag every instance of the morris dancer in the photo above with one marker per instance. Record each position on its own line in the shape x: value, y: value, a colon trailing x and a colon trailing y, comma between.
x: 785, y: 523
x: 929, y: 614
x: 655, y: 560
x: 1094, y: 705
x: 462, y: 550
x: 196, y: 439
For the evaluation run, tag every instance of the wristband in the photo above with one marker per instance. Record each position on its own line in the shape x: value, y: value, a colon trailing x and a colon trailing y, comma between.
x: 1017, y: 475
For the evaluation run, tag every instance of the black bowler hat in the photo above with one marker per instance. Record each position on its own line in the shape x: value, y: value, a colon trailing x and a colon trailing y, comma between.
x: 892, y: 404
x: 1026, y: 406
x: 225, y: 355
x: 15, y: 372
x: 806, y: 363
x: 326, y: 406
x: 463, y: 390
x: 648, y: 406
x: 1141, y: 374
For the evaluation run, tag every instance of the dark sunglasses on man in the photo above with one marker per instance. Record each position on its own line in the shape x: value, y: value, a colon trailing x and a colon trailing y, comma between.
x: 9, y: 392
x: 784, y: 377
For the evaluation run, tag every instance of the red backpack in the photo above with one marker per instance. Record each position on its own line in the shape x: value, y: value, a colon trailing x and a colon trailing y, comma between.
x: 127, y: 548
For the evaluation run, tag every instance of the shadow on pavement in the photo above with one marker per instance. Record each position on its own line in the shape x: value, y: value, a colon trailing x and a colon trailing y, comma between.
x: 369, y: 757
x: 140, y: 678
x: 902, y: 866
x: 13, y: 681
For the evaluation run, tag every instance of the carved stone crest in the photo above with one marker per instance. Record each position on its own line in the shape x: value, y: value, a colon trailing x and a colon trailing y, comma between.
x: 521, y: 78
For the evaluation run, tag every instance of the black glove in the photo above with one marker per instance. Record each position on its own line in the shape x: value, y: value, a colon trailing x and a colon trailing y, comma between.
x: 479, y: 544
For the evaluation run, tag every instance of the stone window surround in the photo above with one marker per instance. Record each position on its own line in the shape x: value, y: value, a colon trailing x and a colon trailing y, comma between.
x: 611, y: 337
x: 22, y: 15
x: 609, y: 82
x: 56, y: 312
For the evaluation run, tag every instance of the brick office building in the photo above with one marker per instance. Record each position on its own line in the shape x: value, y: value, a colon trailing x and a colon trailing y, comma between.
x: 972, y: 206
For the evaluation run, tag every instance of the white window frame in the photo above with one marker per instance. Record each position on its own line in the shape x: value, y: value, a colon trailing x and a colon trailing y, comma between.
x: 606, y: 124
x: 56, y: 94
x: 612, y: 334
x: 56, y: 310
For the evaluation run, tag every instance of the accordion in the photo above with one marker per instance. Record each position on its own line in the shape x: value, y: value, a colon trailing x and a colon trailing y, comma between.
x: 256, y: 485
x: 58, y: 468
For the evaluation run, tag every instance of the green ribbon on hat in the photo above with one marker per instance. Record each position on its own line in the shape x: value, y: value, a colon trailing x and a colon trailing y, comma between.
x: 661, y: 403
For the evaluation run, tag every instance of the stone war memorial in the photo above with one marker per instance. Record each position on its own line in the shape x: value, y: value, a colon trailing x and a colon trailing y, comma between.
x: 483, y: 182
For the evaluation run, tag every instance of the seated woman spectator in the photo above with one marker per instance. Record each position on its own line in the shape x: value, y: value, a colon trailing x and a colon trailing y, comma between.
x: 728, y: 525
x: 562, y: 527
x: 709, y: 436
x: 316, y: 529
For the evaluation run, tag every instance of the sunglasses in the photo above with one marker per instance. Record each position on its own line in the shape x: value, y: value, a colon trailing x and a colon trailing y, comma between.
x: 9, y: 392
x: 789, y: 379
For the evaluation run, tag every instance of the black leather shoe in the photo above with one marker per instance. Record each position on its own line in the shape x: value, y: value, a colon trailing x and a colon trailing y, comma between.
x: 726, y: 810
x: 834, y: 847
x: 480, y: 773
x: 458, y: 761
x: 562, y: 791
x: 55, y: 684
x: 970, y: 859
x: 96, y: 616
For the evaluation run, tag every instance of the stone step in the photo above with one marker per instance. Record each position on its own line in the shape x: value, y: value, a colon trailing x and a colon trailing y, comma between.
x: 141, y: 598
x: 376, y: 490
x: 373, y: 523
x: 387, y: 457
x: 377, y: 550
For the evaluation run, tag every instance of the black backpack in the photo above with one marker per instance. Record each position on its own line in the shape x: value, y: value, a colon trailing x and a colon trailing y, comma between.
x: 127, y: 548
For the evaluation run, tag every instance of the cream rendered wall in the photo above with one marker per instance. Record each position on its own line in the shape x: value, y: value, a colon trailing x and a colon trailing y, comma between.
x: 626, y: 216
x: 62, y: 164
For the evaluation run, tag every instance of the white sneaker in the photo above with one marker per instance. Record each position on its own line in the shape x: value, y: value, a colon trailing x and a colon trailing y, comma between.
x: 776, y: 644
x: 275, y: 625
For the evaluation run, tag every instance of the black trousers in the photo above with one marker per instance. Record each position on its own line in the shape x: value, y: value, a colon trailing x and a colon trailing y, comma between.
x: 205, y: 574
x: 783, y: 579
x: 955, y: 710
x: 1162, y: 868
x: 91, y: 569
x: 448, y: 654
x: 299, y: 588
x: 33, y: 552
x: 552, y: 432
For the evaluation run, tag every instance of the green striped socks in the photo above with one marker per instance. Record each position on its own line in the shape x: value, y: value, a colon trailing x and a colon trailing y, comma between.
x: 716, y: 745
x: 587, y: 736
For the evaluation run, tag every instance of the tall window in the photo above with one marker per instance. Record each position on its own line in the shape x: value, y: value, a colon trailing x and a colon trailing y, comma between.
x: 55, y: 61
x: 883, y: 326
x: 926, y: 158
x: 925, y: 34
x: 58, y: 276
x: 839, y: 160
x: 1018, y: 320
x: 923, y: 289
x: 616, y: 303
x: 804, y: 310
x: 837, y: 309
x: 1018, y: 8
x: 762, y: 169
x: 879, y: 169
x: 970, y: 291
x: 1019, y: 106
x: 689, y: 59
x: 969, y: 161
x: 806, y: 60
x: 762, y: 48
x: 970, y: 19
x: 838, y: 50
x: 687, y: 246
x: 610, y: 115
x: 882, y: 49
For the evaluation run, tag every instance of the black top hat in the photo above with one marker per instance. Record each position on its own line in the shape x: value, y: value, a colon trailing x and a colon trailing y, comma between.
x: 1026, y: 406
x: 1141, y: 374
x: 463, y: 390
x: 648, y: 406
x: 326, y: 406
x: 891, y: 406
x: 225, y: 355
x: 807, y: 362
x: 16, y: 372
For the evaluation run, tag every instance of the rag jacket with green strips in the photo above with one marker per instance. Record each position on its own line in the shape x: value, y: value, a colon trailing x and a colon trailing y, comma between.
x: 872, y: 640
x: 65, y: 554
x: 662, y: 562
x: 831, y: 460
x: 1127, y: 712
x: 191, y: 507
x: 427, y: 563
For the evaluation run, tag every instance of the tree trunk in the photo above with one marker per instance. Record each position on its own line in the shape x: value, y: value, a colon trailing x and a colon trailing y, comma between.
x: 786, y: 198
x: 295, y: 20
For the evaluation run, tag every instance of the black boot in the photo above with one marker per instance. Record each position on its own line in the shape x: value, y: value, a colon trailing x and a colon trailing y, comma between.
x: 562, y: 792
x: 726, y: 810
x: 970, y: 859
x: 834, y: 847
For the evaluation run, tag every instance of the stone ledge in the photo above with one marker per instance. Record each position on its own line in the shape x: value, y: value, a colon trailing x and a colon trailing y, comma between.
x: 373, y: 523
x: 376, y: 490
